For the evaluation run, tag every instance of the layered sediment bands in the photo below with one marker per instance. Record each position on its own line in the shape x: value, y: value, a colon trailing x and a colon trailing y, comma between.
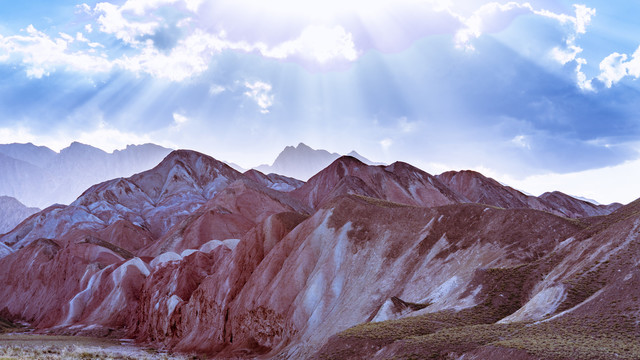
x: 359, y: 262
x: 200, y: 317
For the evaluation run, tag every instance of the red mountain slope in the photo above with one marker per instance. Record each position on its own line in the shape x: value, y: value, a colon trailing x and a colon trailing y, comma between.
x: 398, y: 182
x: 483, y: 190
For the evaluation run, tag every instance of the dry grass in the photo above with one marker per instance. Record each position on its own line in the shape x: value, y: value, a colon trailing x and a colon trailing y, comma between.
x: 29, y: 346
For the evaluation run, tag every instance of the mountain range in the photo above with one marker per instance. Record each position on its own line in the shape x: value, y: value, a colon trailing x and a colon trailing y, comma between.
x: 12, y: 212
x: 38, y: 176
x: 302, y: 162
x: 28, y: 168
x: 359, y: 262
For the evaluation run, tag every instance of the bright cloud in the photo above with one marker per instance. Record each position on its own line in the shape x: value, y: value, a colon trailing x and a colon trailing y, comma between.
x: 570, y: 51
x: 112, y: 21
x: 489, y: 17
x: 190, y: 57
x: 327, y: 41
x: 316, y: 43
x: 521, y: 141
x: 492, y: 17
x: 41, y: 54
x: 616, y: 66
x: 386, y: 144
x: 582, y: 18
x: 179, y: 119
x: 260, y: 92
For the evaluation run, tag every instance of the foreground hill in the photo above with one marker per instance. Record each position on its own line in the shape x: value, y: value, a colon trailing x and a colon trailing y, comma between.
x: 578, y: 301
x: 360, y: 262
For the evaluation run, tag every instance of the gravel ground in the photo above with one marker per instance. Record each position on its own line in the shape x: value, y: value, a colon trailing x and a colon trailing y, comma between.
x: 31, y: 346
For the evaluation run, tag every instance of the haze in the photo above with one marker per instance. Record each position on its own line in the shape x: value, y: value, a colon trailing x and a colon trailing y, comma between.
x: 541, y: 95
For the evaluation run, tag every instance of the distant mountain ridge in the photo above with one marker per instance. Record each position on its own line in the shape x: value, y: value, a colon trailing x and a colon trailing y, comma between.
x: 302, y: 162
x: 12, y: 212
x: 38, y: 176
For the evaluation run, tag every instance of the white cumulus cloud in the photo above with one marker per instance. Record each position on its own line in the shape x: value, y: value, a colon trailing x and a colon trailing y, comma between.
x: 316, y: 43
x: 41, y: 54
x: 179, y: 119
x: 112, y: 21
x: 260, y: 92
x: 616, y: 66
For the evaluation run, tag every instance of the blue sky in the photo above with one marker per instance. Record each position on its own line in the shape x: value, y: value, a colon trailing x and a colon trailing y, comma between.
x: 541, y: 94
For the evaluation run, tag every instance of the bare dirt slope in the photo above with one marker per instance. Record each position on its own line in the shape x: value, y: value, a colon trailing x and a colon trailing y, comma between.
x: 360, y: 262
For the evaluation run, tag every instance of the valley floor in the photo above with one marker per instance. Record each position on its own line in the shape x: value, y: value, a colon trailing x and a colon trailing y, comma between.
x: 32, y: 346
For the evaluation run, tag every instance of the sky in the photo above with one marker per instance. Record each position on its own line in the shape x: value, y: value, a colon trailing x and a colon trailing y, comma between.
x: 541, y: 95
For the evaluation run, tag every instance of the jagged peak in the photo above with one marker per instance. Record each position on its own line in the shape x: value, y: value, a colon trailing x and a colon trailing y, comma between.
x: 79, y: 145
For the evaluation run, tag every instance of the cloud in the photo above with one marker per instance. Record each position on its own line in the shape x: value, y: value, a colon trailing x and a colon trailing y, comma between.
x: 565, y: 55
x: 179, y: 119
x: 189, y: 57
x: 489, y: 17
x: 117, y: 20
x: 260, y: 92
x: 140, y: 7
x: 521, y: 141
x: 386, y: 143
x: 582, y: 18
x: 41, y: 54
x: 316, y: 43
x: 198, y: 36
x: 570, y: 51
x: 112, y: 21
x: 615, y: 67
x: 493, y: 17
x: 216, y: 89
